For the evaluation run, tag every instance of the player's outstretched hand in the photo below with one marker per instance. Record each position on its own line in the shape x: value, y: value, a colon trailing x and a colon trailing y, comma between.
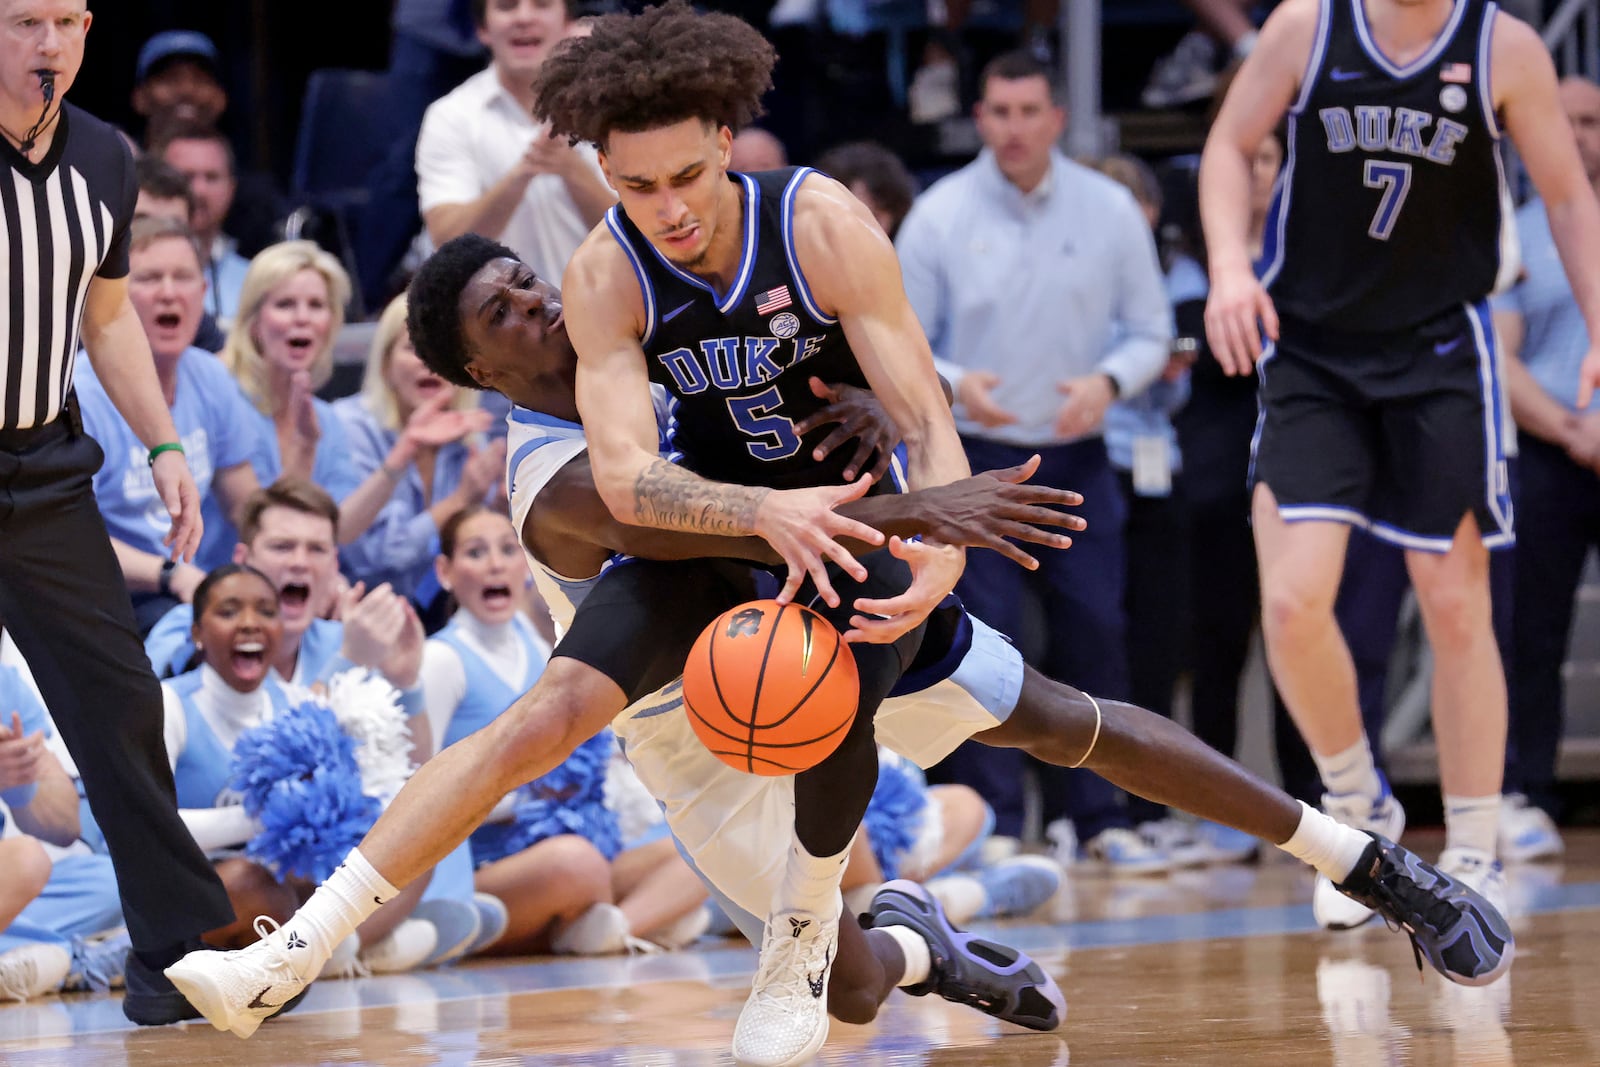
x: 802, y: 526
x: 935, y: 570
x: 175, y: 486
x: 1237, y: 312
x: 984, y: 510
x: 859, y: 417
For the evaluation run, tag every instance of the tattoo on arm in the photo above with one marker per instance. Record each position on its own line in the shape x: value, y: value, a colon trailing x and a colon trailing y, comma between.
x: 670, y: 498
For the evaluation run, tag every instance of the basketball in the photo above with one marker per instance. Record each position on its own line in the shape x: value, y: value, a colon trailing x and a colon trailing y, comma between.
x: 771, y: 688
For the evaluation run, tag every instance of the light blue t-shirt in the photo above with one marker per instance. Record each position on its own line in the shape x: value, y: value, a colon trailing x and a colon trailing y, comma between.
x: 17, y: 696
x: 330, y: 469
x: 215, y: 424
x: 1556, y: 339
x: 400, y: 545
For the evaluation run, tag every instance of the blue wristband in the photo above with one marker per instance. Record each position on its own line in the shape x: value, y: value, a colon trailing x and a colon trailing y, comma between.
x: 19, y: 796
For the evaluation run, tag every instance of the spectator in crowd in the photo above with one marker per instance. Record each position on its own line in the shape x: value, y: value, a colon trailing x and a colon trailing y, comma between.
x: 288, y: 532
x: 1029, y: 271
x: 877, y: 177
x: 1557, y: 497
x: 52, y: 904
x: 563, y: 892
x: 1214, y: 431
x: 484, y: 165
x: 281, y: 350
x: 757, y: 149
x: 236, y: 631
x: 214, y: 421
x: 433, y: 47
x: 440, y: 479
x: 1225, y: 33
x: 204, y: 155
x: 165, y: 191
x: 178, y: 84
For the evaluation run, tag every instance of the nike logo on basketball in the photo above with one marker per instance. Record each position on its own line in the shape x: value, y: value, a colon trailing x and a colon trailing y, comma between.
x: 797, y: 926
x: 816, y: 983
x: 675, y: 312
x: 1346, y: 75
x: 1444, y: 348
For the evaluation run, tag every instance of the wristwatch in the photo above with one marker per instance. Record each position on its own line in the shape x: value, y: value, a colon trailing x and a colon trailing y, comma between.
x: 164, y: 582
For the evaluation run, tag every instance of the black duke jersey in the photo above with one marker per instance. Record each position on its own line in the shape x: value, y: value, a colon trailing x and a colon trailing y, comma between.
x: 737, y: 364
x: 1392, y: 205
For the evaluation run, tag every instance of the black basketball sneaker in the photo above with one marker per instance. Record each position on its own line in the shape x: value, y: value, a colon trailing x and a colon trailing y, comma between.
x: 969, y: 968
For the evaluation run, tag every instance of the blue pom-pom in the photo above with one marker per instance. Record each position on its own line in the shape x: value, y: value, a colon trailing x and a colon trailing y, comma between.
x: 569, y: 800
x: 298, y: 775
x: 894, y: 815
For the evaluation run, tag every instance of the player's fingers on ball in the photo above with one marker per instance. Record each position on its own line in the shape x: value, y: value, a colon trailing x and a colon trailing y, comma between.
x: 791, y: 584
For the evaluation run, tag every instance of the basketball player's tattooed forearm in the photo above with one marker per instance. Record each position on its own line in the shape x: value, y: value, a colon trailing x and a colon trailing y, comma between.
x: 670, y: 498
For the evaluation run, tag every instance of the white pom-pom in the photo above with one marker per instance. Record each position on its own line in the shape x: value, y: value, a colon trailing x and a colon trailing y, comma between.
x: 368, y: 709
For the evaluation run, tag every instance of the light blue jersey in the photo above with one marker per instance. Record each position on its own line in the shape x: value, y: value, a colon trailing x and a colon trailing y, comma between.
x: 217, y: 426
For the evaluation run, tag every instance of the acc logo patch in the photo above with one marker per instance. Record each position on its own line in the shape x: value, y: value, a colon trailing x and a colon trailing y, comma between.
x: 785, y: 325
x: 1453, y: 98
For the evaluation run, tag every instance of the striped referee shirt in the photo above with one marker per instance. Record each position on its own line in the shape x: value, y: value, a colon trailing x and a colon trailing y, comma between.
x: 63, y: 220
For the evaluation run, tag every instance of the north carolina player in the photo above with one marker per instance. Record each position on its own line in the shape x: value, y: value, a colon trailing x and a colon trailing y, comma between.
x: 482, y: 318
x: 1380, y: 394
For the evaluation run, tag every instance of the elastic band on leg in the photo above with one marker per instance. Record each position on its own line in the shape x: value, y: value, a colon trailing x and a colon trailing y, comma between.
x: 1093, y: 740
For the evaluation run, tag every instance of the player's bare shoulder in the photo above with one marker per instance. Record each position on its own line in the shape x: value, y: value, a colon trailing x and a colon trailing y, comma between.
x: 1517, y: 57
x: 836, y: 239
x: 600, y: 276
x: 1288, y: 37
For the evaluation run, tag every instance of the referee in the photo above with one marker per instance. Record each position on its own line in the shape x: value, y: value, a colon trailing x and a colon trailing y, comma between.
x: 65, y: 204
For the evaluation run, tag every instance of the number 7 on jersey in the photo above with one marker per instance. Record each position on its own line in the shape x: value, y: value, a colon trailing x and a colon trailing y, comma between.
x: 1395, y: 181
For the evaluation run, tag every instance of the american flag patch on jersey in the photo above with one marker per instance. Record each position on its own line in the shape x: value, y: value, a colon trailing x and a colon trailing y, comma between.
x: 1456, y: 72
x: 772, y: 300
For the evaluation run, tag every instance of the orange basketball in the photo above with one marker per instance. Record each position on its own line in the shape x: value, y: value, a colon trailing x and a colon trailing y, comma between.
x: 771, y: 688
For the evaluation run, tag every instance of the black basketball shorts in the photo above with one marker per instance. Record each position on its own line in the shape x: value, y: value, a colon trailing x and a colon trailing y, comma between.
x: 639, y: 622
x: 1399, y: 433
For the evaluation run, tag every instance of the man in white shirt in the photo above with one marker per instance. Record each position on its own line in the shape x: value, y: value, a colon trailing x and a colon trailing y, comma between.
x: 485, y: 166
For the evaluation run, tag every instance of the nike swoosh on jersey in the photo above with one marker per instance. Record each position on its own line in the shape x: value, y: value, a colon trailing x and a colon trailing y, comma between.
x: 675, y: 312
x: 1346, y: 75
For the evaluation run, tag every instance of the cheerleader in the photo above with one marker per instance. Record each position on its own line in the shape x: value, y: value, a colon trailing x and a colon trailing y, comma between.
x: 554, y: 851
x: 208, y: 710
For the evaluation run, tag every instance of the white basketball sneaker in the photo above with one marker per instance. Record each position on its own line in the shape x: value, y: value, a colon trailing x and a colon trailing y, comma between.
x: 1480, y: 871
x: 1384, y: 816
x: 785, y: 1020
x: 238, y: 990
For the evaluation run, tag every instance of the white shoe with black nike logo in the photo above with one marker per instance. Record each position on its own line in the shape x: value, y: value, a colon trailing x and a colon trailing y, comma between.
x: 785, y: 1020
x: 238, y: 990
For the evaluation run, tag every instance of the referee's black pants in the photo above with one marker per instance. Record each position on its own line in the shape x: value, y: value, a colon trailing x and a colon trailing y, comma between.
x: 63, y: 599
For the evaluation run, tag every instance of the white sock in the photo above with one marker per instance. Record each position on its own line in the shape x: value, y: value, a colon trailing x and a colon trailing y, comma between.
x: 1472, y: 822
x: 1350, y: 771
x: 350, y: 895
x: 1327, y: 844
x: 811, y: 883
x: 1245, y: 44
x: 919, y: 960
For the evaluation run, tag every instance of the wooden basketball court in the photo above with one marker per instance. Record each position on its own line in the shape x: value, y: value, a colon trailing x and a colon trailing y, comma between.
x: 1219, y: 967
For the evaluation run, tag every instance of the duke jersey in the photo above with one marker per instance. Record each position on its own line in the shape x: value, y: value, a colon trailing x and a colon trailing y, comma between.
x: 1392, y: 206
x: 738, y: 363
